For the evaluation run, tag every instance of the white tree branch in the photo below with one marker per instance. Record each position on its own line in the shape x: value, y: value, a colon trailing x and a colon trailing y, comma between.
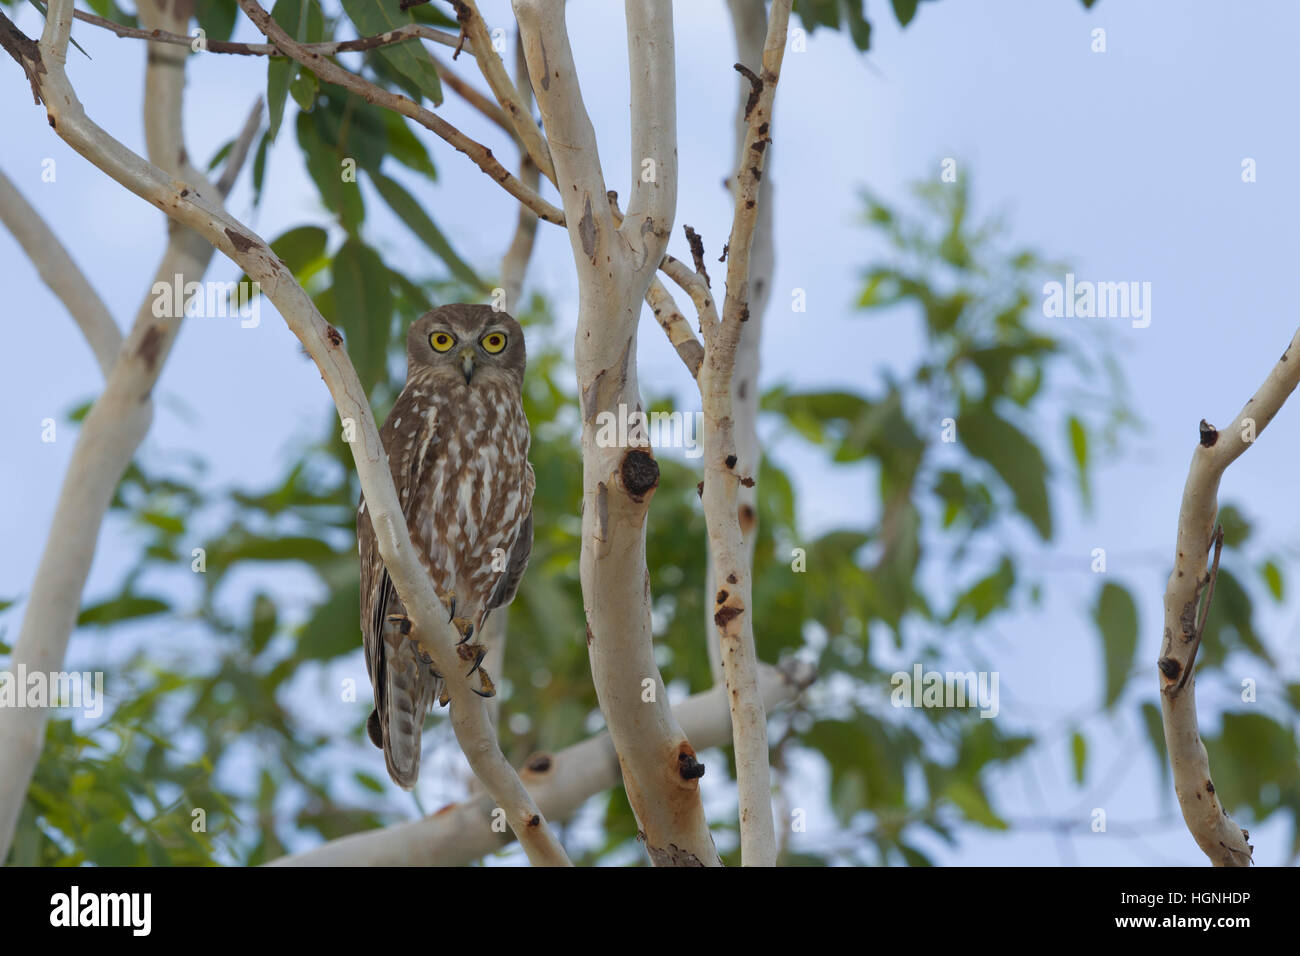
x: 1222, y: 840
x: 190, y: 207
x: 60, y: 273
x: 560, y: 783
x: 114, y: 427
x: 660, y: 772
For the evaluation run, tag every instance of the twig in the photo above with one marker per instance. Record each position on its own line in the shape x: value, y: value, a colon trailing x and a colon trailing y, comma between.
x: 498, y: 79
x: 1211, y: 578
x: 331, y: 72
x: 1222, y: 840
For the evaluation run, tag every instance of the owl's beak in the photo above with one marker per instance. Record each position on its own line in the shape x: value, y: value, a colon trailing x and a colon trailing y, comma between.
x: 467, y: 364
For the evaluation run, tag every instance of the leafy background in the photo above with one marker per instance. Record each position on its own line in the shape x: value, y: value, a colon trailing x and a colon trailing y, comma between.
x: 226, y: 686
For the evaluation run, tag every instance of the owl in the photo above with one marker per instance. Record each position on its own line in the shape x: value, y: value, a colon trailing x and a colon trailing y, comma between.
x: 457, y: 443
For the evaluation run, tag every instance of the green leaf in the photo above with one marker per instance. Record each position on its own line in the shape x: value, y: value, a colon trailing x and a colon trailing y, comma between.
x: 302, y: 20
x: 124, y: 608
x: 1079, y: 752
x: 220, y: 154
x: 263, y: 622
x: 1015, y: 458
x: 280, y: 70
x: 970, y: 799
x: 363, y: 304
x: 905, y: 10
x: 1079, y: 448
x: 1236, y: 529
x: 1117, y: 619
x: 325, y: 165
x: 1273, y: 578
x: 259, y: 168
x: 409, y: 57
x: 216, y: 17
x: 405, y: 147
x: 304, y: 89
x: 415, y: 218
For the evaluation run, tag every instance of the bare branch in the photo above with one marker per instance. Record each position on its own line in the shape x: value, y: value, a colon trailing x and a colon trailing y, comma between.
x: 331, y: 72
x: 468, y: 713
x: 514, y: 265
x: 729, y: 558
x: 653, y: 203
x: 471, y: 95
x: 560, y: 783
x: 494, y: 71
x: 675, y: 326
x: 660, y: 772
x: 60, y: 273
x: 1224, y: 842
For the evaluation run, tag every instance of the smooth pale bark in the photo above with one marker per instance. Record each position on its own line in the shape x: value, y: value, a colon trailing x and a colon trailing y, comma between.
x: 615, y: 265
x: 60, y: 273
x: 112, y: 431
x: 1222, y: 840
x: 195, y: 208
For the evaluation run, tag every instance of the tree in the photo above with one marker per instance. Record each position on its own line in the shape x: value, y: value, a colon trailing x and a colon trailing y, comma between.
x: 984, y: 380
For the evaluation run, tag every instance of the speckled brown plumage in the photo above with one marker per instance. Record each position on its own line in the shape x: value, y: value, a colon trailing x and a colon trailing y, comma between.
x: 457, y: 443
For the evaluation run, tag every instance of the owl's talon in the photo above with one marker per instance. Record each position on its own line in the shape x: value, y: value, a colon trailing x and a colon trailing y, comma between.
x: 422, y: 652
x: 449, y: 601
x: 466, y: 628
x: 475, y: 651
x: 443, y: 696
x: 486, y: 688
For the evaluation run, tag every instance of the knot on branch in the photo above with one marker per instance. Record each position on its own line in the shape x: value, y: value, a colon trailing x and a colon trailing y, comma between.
x: 539, y: 763
x: 687, y: 766
x: 640, y: 473
x: 1209, y: 434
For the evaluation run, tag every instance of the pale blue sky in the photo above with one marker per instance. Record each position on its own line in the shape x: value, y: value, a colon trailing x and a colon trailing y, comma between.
x: 1126, y: 164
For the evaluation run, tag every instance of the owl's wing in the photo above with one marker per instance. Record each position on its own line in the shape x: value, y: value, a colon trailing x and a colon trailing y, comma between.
x: 508, y: 584
x: 402, y: 684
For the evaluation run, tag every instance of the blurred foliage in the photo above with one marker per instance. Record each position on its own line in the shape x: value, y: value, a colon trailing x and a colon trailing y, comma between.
x: 234, y: 633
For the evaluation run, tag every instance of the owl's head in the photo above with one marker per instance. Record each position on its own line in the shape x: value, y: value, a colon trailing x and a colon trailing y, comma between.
x: 473, y: 344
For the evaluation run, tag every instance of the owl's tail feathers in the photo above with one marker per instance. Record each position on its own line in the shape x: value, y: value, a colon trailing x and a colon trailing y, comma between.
x: 408, y: 694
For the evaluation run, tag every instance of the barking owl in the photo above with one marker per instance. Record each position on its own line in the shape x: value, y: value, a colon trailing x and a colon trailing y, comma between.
x: 457, y: 443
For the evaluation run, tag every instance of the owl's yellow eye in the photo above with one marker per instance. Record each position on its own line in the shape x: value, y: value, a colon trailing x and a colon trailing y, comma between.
x: 493, y: 342
x: 442, y: 341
